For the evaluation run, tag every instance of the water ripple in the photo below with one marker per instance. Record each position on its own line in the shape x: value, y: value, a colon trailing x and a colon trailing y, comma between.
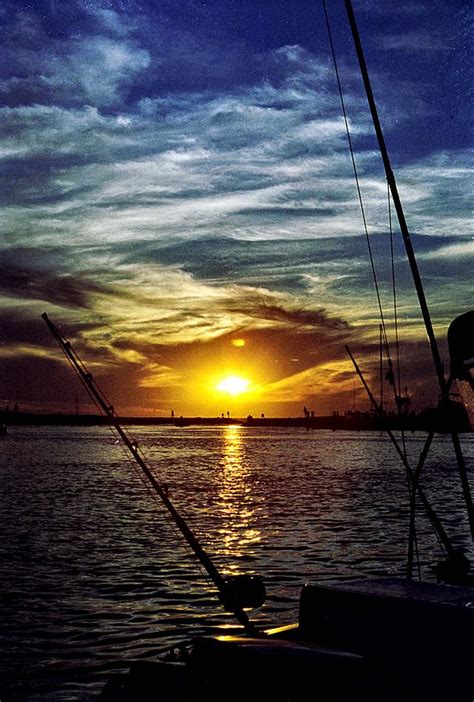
x: 95, y: 576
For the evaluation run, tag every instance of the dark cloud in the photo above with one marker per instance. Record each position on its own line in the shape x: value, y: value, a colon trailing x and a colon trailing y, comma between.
x: 59, y: 289
x: 256, y: 306
x: 20, y: 328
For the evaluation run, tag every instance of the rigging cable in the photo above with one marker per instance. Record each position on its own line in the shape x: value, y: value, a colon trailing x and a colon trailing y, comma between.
x: 413, y: 551
x: 413, y: 544
x: 394, y: 292
x: 413, y: 475
x: 443, y: 385
x: 357, y: 182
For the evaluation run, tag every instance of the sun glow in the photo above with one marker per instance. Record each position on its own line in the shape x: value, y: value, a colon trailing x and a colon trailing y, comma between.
x: 233, y: 385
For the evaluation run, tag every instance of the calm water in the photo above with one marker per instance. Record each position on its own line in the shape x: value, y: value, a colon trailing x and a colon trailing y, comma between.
x: 93, y: 575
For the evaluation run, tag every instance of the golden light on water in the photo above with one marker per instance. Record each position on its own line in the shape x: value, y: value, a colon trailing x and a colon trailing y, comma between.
x: 233, y: 385
x: 236, y: 508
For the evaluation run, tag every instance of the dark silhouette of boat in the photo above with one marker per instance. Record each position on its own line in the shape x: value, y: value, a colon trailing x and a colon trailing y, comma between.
x: 380, y: 639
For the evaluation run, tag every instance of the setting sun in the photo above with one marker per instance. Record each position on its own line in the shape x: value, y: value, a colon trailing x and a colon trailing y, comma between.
x: 233, y: 385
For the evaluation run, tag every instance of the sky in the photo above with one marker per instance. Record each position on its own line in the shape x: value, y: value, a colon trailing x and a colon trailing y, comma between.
x: 177, y: 194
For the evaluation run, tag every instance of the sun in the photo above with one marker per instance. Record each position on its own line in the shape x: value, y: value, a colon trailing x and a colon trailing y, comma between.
x: 233, y: 385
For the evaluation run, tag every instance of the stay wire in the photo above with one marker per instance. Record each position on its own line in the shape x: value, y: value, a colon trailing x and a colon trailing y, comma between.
x: 397, y: 383
x: 394, y: 292
x: 414, y: 475
x: 357, y: 182
x: 398, y: 391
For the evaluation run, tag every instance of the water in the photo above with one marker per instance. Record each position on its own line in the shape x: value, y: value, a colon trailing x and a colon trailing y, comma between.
x: 94, y: 575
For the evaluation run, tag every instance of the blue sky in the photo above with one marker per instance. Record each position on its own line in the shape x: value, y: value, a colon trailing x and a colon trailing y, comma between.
x: 175, y: 175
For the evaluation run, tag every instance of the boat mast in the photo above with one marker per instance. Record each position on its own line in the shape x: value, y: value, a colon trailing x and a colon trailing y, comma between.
x: 411, y: 256
x: 226, y: 590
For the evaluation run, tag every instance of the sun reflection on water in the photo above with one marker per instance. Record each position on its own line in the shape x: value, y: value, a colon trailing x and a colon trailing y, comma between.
x: 236, y: 507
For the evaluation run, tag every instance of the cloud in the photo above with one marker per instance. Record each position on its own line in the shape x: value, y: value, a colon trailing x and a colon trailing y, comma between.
x: 96, y: 70
x: 461, y: 250
x: 401, y: 8
x: 272, y: 309
x: 412, y: 42
x: 311, y: 383
x: 18, y: 329
x: 437, y: 192
x: 267, y: 160
x: 62, y: 289
x: 68, y: 67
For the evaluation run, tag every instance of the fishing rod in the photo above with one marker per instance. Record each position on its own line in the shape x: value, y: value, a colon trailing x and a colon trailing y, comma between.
x: 235, y: 592
x: 392, y: 183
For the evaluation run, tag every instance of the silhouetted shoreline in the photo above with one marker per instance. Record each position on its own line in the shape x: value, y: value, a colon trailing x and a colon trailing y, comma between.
x: 454, y: 419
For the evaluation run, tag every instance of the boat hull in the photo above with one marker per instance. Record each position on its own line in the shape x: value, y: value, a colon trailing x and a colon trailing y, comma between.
x: 387, y: 639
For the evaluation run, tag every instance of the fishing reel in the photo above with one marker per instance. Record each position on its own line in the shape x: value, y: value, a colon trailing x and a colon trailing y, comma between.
x: 243, y: 592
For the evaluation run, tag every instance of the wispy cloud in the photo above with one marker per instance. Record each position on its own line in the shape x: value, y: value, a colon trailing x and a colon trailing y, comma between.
x: 464, y: 249
x: 79, y: 175
x: 68, y: 67
x: 412, y: 42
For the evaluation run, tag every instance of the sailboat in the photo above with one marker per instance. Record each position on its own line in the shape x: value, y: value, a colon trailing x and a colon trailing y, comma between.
x: 377, y: 639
